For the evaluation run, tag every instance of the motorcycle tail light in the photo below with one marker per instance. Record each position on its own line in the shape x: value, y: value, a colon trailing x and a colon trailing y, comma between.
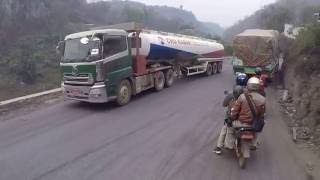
x: 247, y: 136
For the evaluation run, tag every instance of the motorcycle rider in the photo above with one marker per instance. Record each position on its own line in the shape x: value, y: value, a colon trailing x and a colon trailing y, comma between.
x: 263, y: 80
x: 241, y: 79
x: 241, y: 112
x: 261, y: 76
x: 227, y: 130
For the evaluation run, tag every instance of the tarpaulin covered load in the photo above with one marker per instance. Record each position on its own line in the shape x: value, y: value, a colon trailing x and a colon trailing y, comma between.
x: 256, y: 47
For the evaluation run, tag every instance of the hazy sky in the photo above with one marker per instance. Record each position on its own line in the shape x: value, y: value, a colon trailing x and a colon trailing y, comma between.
x: 223, y: 12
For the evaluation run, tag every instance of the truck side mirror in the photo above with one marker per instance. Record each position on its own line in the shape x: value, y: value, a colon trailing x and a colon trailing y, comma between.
x: 95, y: 48
x: 60, y: 48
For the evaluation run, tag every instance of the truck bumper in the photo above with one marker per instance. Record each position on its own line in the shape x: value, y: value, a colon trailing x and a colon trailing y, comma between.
x: 93, y: 94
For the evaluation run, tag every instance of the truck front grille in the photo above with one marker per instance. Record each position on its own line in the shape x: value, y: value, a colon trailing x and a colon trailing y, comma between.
x: 80, y: 79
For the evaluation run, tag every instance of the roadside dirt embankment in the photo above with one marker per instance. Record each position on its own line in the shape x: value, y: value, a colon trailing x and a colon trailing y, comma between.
x: 302, y: 80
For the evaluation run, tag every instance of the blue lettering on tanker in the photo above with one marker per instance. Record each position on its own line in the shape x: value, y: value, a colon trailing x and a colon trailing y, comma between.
x: 162, y: 52
x: 161, y: 40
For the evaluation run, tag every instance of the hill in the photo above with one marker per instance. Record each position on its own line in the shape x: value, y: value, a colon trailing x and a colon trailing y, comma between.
x: 213, y: 27
x: 274, y: 16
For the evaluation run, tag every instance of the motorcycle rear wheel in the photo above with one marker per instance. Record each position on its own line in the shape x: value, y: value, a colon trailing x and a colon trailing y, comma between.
x: 242, y: 162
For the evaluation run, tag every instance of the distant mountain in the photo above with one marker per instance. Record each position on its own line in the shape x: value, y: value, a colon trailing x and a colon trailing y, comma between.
x: 155, y: 17
x: 213, y: 27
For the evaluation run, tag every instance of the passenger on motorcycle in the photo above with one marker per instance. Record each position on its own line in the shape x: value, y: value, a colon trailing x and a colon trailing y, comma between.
x: 227, y: 130
x: 241, y: 112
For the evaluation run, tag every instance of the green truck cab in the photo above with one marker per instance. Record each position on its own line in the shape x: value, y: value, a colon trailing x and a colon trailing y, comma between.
x: 93, y: 65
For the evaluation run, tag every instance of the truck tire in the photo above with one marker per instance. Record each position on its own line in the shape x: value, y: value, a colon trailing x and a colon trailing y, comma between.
x: 169, y: 75
x: 214, y: 68
x: 124, y: 93
x: 159, y: 81
x: 209, y: 69
x: 219, y: 67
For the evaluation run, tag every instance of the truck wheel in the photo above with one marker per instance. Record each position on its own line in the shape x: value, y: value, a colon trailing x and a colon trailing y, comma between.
x: 214, y: 68
x: 169, y: 78
x: 124, y: 93
x: 159, y: 81
x: 209, y: 69
x: 219, y: 67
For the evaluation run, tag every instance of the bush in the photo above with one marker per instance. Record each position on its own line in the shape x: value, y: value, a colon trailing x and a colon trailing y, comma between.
x: 31, y: 62
x: 308, y: 40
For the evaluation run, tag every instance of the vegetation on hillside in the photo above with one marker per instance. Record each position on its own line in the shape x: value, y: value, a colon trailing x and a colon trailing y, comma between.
x: 302, y: 78
x: 275, y: 16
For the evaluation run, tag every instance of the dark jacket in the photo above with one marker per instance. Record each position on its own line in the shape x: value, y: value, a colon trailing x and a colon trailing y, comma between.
x: 228, y: 102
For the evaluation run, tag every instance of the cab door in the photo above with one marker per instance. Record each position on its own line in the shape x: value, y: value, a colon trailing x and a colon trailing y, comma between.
x: 117, y: 61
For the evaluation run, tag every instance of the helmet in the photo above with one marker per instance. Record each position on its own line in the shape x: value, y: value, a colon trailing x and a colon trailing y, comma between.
x: 253, y: 84
x: 258, y: 71
x: 241, y: 79
x: 237, y: 91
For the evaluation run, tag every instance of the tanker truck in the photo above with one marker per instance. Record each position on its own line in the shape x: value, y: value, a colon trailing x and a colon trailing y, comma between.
x: 115, y: 62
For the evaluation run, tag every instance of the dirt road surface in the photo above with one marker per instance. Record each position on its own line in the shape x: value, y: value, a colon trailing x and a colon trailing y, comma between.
x: 159, y: 136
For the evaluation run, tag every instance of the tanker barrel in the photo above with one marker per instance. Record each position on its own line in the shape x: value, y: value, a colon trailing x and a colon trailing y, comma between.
x: 129, y: 27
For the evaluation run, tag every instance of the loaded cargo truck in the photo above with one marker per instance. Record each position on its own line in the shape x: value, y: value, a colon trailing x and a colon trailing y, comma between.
x: 115, y: 62
x: 255, y: 48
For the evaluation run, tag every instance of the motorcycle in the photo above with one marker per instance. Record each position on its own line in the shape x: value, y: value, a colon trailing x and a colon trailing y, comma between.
x: 244, y: 137
x: 242, y: 140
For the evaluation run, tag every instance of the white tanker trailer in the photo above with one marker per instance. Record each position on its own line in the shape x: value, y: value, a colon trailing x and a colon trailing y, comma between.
x: 116, y: 62
x: 193, y: 55
x: 159, y: 45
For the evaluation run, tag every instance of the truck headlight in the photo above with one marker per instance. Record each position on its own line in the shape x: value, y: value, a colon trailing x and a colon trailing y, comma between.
x: 96, y: 92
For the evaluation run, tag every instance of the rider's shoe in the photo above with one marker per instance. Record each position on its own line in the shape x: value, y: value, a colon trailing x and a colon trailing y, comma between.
x: 217, y: 150
x: 253, y: 148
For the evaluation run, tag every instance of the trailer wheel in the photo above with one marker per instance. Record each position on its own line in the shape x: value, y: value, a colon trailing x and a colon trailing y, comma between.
x: 219, y: 67
x: 209, y: 69
x: 214, y: 68
x: 159, y: 81
x: 169, y: 78
x: 124, y: 93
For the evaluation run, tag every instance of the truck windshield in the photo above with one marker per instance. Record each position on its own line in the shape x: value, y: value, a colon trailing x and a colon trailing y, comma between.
x: 113, y: 45
x: 77, y: 51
